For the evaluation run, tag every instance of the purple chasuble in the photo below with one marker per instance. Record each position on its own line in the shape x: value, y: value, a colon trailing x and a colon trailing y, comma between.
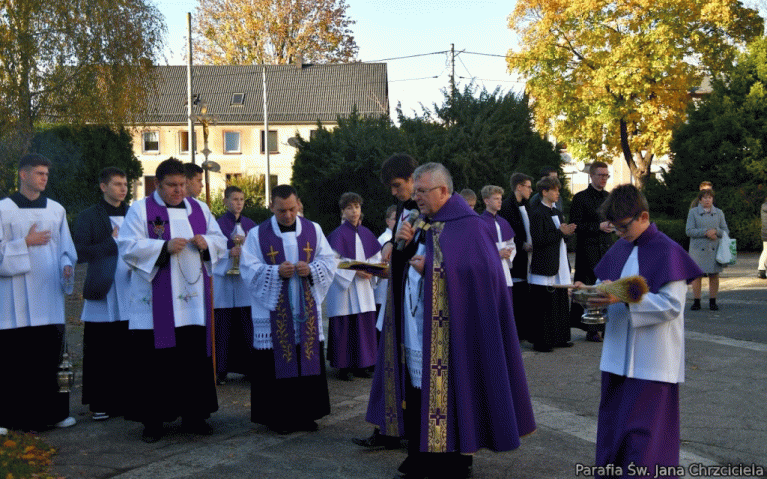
x: 163, y: 316
x: 227, y: 222
x: 286, y: 363
x: 661, y: 260
x: 474, y: 390
x: 343, y: 240
x: 506, y: 230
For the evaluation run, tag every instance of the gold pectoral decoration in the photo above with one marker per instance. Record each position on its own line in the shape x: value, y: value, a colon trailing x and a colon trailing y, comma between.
x: 439, y: 350
x: 311, y: 321
x: 281, y: 329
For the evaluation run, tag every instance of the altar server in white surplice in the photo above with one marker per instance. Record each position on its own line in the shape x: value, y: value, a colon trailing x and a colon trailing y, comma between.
x: 36, y: 271
x: 350, y: 303
x: 170, y: 242
x: 288, y: 266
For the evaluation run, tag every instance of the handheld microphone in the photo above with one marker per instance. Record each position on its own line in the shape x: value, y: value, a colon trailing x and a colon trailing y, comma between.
x: 411, y: 220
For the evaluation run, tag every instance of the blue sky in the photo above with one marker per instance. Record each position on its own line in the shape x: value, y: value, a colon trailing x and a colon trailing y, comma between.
x: 387, y: 29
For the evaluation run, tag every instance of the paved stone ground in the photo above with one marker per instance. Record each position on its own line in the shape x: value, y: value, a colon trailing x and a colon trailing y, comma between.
x: 722, y: 407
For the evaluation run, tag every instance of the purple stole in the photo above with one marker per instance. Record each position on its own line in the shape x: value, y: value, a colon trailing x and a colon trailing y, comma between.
x: 286, y: 363
x: 162, y: 301
x: 343, y: 240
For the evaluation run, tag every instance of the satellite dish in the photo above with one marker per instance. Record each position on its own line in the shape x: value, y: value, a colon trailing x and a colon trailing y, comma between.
x: 211, y: 166
x: 293, y: 141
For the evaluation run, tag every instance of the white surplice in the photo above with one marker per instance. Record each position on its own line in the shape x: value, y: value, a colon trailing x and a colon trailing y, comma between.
x: 350, y: 294
x: 501, y: 244
x: 140, y: 252
x: 413, y: 313
x: 264, y: 282
x: 646, y: 340
x: 229, y: 290
x: 32, y: 285
x: 114, y: 306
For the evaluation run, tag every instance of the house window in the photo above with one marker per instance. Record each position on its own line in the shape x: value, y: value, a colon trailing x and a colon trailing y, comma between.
x: 151, y: 141
x: 238, y: 98
x: 273, y: 144
x: 232, y: 176
x: 232, y: 142
x: 148, y: 185
x: 313, y: 134
x: 183, y: 143
x: 272, y: 181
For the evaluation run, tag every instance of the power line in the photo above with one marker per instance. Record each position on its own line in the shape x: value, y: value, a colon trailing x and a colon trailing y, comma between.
x: 405, y: 57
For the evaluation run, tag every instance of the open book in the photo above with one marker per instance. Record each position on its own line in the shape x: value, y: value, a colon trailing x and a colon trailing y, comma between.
x: 372, y: 268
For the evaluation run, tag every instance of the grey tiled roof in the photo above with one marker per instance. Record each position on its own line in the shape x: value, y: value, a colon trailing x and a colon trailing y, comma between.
x: 296, y: 94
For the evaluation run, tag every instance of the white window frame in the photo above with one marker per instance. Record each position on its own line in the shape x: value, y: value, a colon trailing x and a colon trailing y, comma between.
x: 239, y: 142
x: 276, y: 142
x: 144, y: 134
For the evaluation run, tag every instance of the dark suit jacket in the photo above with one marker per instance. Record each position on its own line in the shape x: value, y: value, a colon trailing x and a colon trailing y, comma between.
x: 510, y: 212
x: 96, y: 246
x: 591, y: 242
x: 546, y: 237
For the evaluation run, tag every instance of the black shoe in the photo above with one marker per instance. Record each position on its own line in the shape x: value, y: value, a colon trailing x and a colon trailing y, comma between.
x: 378, y: 441
x: 364, y: 373
x: 695, y: 305
x: 542, y: 349
x: 594, y: 337
x: 152, y: 433
x: 712, y: 305
x: 197, y: 426
x: 345, y: 375
x: 761, y: 274
x: 566, y: 344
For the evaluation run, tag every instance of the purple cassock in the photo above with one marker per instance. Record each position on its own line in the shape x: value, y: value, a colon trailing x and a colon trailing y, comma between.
x: 507, y: 232
x: 639, y: 418
x: 474, y: 391
x: 234, y: 326
x: 352, y: 338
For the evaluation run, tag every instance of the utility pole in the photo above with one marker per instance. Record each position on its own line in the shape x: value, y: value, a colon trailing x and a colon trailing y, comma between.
x: 189, y: 106
x: 267, y: 181
x: 452, y: 72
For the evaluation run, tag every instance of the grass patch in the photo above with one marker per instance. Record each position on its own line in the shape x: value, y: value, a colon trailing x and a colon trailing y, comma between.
x: 24, y: 455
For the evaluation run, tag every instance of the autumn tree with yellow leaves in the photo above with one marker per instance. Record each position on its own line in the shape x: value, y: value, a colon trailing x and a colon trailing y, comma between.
x: 614, y: 77
x: 73, y: 61
x: 241, y: 32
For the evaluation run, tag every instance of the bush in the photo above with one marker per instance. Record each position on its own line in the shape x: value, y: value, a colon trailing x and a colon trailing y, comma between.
x: 78, y: 155
x: 748, y: 232
x: 252, y: 187
x: 674, y: 229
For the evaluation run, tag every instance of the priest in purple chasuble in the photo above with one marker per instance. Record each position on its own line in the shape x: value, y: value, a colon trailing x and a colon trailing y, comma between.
x: 171, y: 242
x: 37, y: 256
x: 643, y: 352
x: 462, y: 381
x: 287, y: 266
x: 350, y: 302
x: 234, y: 328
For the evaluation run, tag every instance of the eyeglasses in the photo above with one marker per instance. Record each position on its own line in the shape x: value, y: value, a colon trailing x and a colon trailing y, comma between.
x: 625, y: 227
x: 603, y: 175
x: 421, y: 191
